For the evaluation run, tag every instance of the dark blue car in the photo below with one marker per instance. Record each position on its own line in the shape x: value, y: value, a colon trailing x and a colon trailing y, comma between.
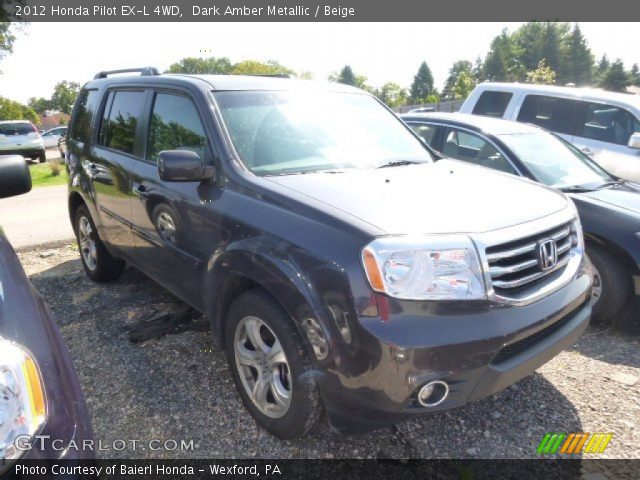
x: 609, y: 207
x: 43, y: 415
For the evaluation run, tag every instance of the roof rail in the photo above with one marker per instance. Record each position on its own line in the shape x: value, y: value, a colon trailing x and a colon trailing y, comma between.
x: 144, y: 72
x: 274, y: 75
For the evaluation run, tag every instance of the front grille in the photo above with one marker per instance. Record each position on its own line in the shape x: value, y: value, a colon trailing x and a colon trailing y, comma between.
x: 516, y: 265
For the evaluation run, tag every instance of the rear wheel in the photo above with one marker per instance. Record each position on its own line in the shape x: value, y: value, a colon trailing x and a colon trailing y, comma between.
x: 98, y: 263
x: 42, y: 157
x: 612, y: 284
x: 271, y: 367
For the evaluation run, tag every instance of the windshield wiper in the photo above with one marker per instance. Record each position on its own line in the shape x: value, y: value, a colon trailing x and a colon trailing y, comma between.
x: 398, y: 163
x: 613, y: 183
x: 576, y: 189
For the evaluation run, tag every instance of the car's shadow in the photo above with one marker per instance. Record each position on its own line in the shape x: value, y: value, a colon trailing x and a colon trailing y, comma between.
x: 178, y: 387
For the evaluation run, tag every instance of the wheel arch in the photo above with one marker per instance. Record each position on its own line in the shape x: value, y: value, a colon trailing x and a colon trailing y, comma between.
x: 620, y: 253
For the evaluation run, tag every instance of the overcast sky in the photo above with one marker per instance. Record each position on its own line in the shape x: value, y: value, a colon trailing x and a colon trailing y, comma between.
x: 47, y: 53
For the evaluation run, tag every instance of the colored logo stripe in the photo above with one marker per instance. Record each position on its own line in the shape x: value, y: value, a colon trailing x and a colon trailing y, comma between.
x: 574, y: 443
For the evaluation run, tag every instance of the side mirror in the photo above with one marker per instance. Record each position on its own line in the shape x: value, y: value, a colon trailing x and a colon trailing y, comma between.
x: 183, y: 166
x: 634, y: 140
x: 15, y: 177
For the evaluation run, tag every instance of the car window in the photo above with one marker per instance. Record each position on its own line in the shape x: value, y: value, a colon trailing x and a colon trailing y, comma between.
x: 607, y: 123
x: 492, y: 103
x: 290, y: 132
x: 119, y: 128
x: 17, y: 129
x: 424, y: 131
x: 473, y: 148
x: 81, y: 124
x: 175, y: 125
x: 552, y: 113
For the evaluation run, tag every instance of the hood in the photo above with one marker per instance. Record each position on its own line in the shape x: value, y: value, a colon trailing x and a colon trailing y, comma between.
x: 443, y: 197
x: 625, y: 197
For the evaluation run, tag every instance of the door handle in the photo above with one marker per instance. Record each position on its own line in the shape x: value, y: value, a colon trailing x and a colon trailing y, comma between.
x: 587, y: 151
x: 141, y: 191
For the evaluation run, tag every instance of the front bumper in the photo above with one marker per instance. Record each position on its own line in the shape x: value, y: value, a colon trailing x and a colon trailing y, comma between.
x: 477, y: 348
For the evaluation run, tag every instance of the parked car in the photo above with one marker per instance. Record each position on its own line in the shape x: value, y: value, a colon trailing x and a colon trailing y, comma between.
x: 609, y: 207
x: 341, y: 268
x: 604, y: 125
x: 20, y: 137
x: 39, y: 391
x: 51, y: 137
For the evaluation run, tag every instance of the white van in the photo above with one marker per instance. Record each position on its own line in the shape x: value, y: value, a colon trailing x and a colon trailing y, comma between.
x: 604, y: 125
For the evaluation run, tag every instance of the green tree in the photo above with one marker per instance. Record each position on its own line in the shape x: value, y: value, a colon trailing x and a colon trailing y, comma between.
x: 10, y: 110
x: 255, y: 67
x: 601, y: 69
x: 465, y: 83
x: 64, y: 96
x: 422, y: 85
x: 615, y: 78
x: 345, y: 76
x: 458, y: 68
x: 392, y: 94
x: 478, y: 70
x: 634, y: 75
x: 201, y: 66
x: 542, y: 75
x: 578, y: 62
x: 502, y: 63
x: 39, y: 104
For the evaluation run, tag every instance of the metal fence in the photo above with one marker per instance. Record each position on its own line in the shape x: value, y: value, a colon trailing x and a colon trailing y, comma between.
x: 448, y: 106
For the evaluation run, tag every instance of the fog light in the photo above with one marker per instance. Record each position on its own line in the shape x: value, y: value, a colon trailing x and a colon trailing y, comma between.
x: 433, y: 393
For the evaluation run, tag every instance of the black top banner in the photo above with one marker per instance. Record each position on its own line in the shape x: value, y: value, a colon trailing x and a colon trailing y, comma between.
x: 318, y: 10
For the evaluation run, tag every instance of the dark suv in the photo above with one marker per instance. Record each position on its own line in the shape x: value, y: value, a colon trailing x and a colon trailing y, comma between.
x: 341, y: 268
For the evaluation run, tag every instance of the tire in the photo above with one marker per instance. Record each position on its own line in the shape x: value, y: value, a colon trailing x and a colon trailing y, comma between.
x: 42, y: 157
x: 98, y: 263
x: 304, y: 406
x: 612, y: 280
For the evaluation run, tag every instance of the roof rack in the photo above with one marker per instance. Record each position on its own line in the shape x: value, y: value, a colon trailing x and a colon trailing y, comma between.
x: 144, y: 72
x: 274, y: 75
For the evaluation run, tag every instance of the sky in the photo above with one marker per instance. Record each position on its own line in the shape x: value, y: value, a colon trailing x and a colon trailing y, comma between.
x: 46, y: 53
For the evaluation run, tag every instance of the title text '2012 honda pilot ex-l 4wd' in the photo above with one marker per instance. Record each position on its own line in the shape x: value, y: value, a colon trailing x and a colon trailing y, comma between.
x: 342, y: 269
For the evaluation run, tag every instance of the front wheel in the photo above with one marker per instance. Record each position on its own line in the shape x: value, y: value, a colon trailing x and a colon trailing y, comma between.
x: 42, y: 157
x: 612, y: 284
x: 98, y: 263
x: 270, y: 366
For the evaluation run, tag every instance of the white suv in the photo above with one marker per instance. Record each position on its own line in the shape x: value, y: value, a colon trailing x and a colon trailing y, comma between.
x: 604, y: 125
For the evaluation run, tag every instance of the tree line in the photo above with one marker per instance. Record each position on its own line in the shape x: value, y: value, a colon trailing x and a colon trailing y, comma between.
x: 554, y: 53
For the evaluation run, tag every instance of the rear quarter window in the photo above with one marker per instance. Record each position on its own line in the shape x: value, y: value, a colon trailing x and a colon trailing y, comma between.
x: 80, y: 129
x: 492, y: 103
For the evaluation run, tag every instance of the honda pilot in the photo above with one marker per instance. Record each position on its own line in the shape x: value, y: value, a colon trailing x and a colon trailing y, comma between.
x: 342, y: 269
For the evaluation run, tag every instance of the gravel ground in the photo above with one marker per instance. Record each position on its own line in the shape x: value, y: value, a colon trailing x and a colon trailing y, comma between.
x: 177, y: 387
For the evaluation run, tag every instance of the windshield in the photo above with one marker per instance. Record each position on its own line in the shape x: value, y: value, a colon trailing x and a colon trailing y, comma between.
x: 16, y: 129
x: 289, y: 132
x: 553, y: 162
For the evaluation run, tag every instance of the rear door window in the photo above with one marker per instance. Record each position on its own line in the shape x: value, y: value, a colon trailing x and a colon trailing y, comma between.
x: 120, y: 123
x: 86, y: 107
x: 552, y: 113
x: 607, y: 123
x: 492, y: 103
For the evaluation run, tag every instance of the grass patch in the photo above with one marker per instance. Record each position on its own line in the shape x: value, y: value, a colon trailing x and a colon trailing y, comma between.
x: 48, y: 174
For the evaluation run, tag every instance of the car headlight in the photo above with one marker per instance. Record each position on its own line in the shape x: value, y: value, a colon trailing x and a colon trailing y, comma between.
x: 23, y: 407
x: 425, y: 267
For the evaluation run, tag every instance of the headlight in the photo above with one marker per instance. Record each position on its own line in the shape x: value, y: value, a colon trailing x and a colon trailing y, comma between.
x: 23, y: 407
x: 429, y: 267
